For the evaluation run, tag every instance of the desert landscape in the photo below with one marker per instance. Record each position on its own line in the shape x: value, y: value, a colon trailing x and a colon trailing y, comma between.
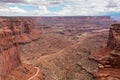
x: 59, y: 48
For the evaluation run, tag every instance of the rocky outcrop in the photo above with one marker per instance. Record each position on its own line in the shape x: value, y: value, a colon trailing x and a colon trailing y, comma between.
x: 26, y: 27
x: 9, y: 51
x: 13, y: 32
x: 29, y: 32
x: 109, y: 57
x: 114, y: 37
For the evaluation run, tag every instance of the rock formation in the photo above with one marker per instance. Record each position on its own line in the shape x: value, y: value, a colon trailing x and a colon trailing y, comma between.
x: 9, y: 51
x: 29, y: 33
x: 12, y: 33
x: 109, y: 57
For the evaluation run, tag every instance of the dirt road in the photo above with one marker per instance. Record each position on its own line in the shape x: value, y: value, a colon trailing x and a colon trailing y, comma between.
x: 35, y: 73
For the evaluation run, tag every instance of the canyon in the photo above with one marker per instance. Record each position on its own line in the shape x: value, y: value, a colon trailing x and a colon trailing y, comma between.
x: 59, y: 48
x: 69, y: 21
x: 73, y: 25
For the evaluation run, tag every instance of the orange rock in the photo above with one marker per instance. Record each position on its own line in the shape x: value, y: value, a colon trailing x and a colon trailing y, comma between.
x: 13, y: 33
x: 109, y: 56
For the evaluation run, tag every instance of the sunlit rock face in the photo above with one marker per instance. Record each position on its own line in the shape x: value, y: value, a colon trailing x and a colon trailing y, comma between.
x: 27, y: 30
x: 12, y: 33
x: 0, y: 65
x: 9, y: 51
x: 110, y: 63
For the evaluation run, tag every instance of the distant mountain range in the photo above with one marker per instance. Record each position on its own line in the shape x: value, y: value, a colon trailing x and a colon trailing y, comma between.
x: 116, y: 17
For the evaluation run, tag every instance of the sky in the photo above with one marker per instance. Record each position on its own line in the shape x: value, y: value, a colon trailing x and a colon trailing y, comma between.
x: 60, y: 8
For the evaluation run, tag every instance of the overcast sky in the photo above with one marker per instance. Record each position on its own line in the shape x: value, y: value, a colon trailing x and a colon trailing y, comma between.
x: 59, y: 7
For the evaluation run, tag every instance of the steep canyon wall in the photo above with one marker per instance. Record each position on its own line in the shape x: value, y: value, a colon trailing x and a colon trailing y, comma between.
x: 109, y: 56
x: 12, y: 33
x: 9, y: 51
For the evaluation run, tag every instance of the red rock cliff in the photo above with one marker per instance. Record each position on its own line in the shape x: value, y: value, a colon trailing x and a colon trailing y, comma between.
x: 9, y: 51
x: 109, y: 57
x: 13, y: 32
x: 28, y: 30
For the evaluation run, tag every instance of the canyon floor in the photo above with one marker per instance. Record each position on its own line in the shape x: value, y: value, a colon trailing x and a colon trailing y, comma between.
x: 60, y: 57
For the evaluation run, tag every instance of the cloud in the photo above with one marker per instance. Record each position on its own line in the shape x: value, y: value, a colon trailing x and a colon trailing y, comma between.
x: 12, y: 1
x: 42, y: 10
x: 16, y: 10
x: 69, y: 7
x: 34, y: 2
x: 11, y: 11
x: 112, y: 4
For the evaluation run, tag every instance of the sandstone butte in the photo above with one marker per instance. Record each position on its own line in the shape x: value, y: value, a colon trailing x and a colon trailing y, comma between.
x: 109, y: 56
x: 12, y: 33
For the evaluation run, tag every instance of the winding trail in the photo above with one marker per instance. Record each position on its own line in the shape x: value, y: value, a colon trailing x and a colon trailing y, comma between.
x: 35, y: 73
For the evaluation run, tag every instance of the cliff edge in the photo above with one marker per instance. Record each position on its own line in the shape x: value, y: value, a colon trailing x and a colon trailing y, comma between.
x: 109, y: 56
x: 12, y: 33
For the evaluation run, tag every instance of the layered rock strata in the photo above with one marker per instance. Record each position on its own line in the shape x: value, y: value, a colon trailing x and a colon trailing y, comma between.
x: 78, y: 21
x: 9, y: 51
x: 109, y: 57
x: 12, y: 33
x: 26, y: 28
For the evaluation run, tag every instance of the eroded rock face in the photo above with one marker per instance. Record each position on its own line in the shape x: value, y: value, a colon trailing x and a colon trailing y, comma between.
x: 0, y: 65
x: 13, y: 32
x: 9, y: 51
x: 10, y: 58
x: 110, y: 61
x: 113, y: 58
x: 28, y: 30
x: 114, y: 37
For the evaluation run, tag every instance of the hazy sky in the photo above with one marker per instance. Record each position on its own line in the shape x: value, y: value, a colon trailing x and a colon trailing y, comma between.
x: 59, y: 7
